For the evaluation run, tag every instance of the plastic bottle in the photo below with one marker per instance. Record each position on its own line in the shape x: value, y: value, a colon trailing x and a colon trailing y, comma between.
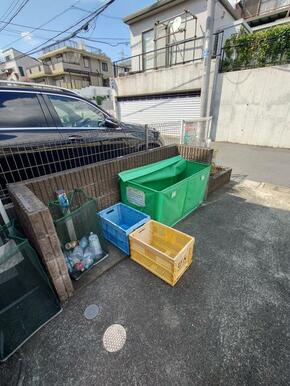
x: 89, y: 256
x: 94, y: 243
x: 69, y: 262
x: 84, y: 242
x: 77, y: 254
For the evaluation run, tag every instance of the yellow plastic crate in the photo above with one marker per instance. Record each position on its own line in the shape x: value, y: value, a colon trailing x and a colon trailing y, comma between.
x: 162, y: 250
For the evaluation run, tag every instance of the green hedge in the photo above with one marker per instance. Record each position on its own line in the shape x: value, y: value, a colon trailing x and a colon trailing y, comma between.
x: 268, y: 47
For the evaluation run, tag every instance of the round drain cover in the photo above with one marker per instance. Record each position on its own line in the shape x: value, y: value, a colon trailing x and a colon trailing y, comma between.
x: 91, y: 311
x: 114, y: 338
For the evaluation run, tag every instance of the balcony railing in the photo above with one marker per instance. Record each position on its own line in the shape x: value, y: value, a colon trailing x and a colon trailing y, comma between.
x: 72, y: 44
x: 262, y: 7
x: 269, y: 51
x: 172, y: 54
x: 40, y: 69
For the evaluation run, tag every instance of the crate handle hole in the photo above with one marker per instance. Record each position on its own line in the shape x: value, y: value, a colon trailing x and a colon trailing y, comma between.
x: 110, y: 211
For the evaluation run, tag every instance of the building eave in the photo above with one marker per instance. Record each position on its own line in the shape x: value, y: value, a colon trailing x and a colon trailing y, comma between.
x: 151, y: 10
x: 69, y: 49
x: 167, y: 4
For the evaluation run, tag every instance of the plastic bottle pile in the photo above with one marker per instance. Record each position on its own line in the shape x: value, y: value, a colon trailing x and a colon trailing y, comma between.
x: 81, y: 255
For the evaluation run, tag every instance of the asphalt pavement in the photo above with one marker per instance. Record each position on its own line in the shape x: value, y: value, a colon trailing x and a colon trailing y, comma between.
x: 226, y: 322
x: 255, y: 162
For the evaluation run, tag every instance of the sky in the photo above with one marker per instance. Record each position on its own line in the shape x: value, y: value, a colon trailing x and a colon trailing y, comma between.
x: 108, y: 27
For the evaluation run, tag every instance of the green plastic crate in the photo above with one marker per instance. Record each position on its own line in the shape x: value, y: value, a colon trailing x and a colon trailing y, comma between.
x: 167, y: 190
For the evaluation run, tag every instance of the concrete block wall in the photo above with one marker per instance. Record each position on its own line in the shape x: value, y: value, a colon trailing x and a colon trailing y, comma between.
x: 252, y: 107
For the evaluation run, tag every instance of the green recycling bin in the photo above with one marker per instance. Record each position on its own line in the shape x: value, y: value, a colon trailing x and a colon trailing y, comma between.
x: 167, y: 190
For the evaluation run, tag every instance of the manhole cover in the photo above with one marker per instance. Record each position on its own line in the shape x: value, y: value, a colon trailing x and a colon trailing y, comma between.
x: 114, y: 338
x: 91, y: 311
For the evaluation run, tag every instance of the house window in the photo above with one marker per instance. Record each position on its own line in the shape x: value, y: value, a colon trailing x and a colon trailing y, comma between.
x: 106, y: 82
x: 86, y: 61
x: 47, y: 61
x: 105, y: 67
x: 58, y: 58
x: 21, y: 71
x: 147, y: 46
x: 7, y: 58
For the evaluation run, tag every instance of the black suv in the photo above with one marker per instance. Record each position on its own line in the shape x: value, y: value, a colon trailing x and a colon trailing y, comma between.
x: 47, y: 129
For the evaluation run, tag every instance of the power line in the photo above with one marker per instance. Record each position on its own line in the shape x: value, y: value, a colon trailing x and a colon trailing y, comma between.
x: 83, y: 27
x: 10, y: 9
x: 13, y: 32
x: 13, y: 35
x: 102, y: 42
x: 17, y: 32
x: 31, y: 27
x: 95, y: 40
x: 112, y: 17
x: 22, y: 5
x: 43, y: 24
x: 86, y: 20
x: 107, y: 16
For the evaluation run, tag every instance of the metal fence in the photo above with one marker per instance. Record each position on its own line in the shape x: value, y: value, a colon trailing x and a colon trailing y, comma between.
x: 252, y: 8
x: 22, y: 160
x: 171, y: 54
x: 269, y: 51
x: 30, y: 159
x: 181, y: 52
x: 193, y: 132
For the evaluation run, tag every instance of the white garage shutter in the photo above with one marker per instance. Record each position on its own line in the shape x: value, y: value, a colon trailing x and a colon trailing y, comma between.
x: 161, y: 109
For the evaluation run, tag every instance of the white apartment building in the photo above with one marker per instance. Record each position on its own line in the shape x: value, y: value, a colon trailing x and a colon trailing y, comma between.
x: 14, y: 63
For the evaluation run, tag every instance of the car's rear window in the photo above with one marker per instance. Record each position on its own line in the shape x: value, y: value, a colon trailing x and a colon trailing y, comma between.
x: 19, y: 109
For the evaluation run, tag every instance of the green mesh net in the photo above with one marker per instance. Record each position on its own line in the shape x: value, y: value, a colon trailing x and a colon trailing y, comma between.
x: 27, y: 300
x: 76, y: 225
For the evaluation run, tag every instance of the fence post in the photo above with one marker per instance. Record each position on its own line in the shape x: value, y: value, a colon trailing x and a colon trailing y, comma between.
x: 146, y: 137
x: 181, y: 140
x: 221, y: 60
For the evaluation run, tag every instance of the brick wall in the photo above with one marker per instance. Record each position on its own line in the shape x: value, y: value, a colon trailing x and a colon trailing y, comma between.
x: 38, y: 226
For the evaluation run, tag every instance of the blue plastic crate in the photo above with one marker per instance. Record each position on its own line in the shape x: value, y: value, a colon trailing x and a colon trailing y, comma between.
x: 118, y: 222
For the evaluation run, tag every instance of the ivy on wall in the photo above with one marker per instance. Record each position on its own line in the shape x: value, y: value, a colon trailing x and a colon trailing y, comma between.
x: 99, y: 99
x: 268, y: 47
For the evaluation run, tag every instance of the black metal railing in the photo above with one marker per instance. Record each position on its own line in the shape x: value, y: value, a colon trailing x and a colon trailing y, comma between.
x: 23, y: 159
x: 172, y: 54
x: 180, y: 52
x: 269, y: 51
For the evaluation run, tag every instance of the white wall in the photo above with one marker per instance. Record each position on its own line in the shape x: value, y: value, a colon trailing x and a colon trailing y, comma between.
x: 183, y: 77
x: 196, y: 7
x: 253, y: 107
x: 93, y: 91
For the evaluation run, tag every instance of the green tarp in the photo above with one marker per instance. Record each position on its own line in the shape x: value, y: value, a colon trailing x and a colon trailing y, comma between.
x: 167, y: 190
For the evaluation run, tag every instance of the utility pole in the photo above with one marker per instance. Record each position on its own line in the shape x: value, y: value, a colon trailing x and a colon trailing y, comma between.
x: 207, y: 54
